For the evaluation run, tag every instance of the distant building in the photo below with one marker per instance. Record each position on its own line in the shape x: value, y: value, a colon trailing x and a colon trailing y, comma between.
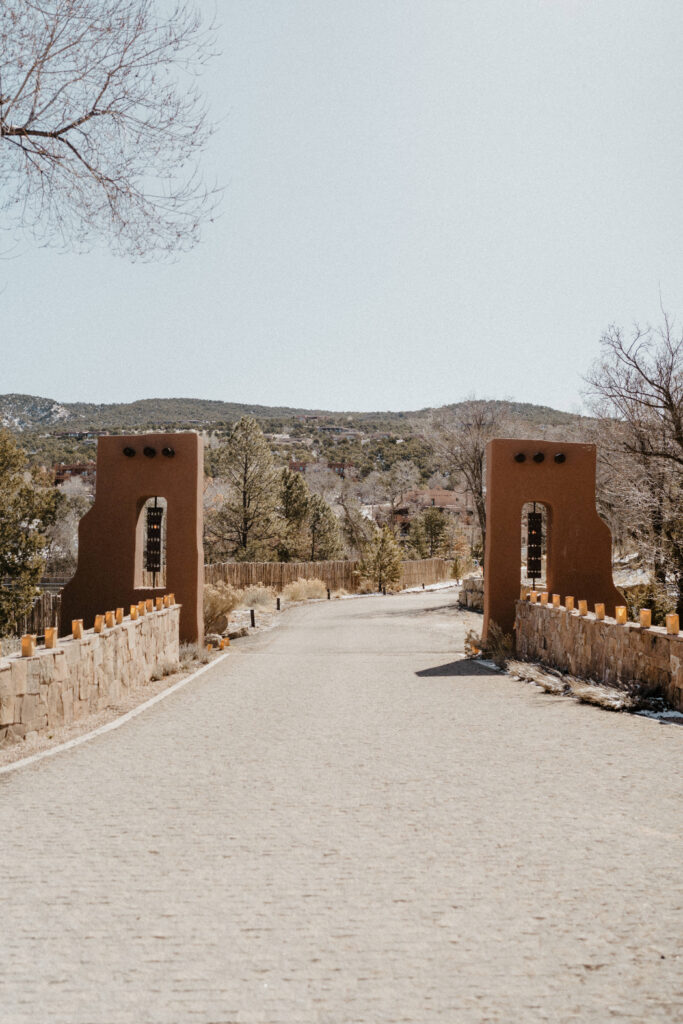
x: 295, y: 466
x: 85, y: 471
x: 438, y: 497
x: 78, y: 435
x: 454, y: 503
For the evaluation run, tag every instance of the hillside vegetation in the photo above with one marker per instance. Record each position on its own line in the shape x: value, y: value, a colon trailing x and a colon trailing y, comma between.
x: 31, y: 412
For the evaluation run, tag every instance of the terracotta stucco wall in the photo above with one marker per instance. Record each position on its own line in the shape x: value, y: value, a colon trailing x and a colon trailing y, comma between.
x: 561, y: 477
x: 109, y: 572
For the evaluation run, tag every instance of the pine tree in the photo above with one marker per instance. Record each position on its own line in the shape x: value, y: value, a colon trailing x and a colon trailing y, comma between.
x: 434, y: 524
x: 324, y: 530
x: 382, y: 565
x: 293, y: 504
x: 25, y: 513
x: 417, y: 539
x: 245, y: 519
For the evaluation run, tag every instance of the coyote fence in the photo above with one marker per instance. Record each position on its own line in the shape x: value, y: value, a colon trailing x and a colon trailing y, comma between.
x: 340, y: 575
x: 45, y: 613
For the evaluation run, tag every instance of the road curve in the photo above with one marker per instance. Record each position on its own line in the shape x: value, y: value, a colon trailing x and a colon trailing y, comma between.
x: 344, y: 824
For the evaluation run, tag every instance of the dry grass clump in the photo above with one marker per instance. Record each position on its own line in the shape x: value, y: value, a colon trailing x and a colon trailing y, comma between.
x: 164, y: 668
x: 305, y: 590
x: 339, y: 593
x: 585, y: 690
x: 497, y: 647
x: 604, y: 696
x: 219, y: 600
x: 193, y: 653
x: 258, y: 597
x: 551, y: 682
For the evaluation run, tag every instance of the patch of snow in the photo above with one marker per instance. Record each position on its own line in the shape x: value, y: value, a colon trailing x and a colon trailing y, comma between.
x: 661, y: 715
x: 444, y: 585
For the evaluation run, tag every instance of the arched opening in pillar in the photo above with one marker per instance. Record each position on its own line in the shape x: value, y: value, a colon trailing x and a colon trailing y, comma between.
x: 151, y: 544
x: 534, y: 531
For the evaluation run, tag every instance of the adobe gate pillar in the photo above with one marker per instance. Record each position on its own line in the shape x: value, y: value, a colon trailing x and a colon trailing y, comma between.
x: 130, y: 470
x: 579, y: 544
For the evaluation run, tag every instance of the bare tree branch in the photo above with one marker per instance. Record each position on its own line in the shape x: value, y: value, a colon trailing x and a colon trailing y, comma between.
x: 103, y: 123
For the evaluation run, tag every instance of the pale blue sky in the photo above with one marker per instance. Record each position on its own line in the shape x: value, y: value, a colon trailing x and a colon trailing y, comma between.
x: 424, y: 199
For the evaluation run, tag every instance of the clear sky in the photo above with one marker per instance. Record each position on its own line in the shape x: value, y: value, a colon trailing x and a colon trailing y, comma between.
x: 424, y: 199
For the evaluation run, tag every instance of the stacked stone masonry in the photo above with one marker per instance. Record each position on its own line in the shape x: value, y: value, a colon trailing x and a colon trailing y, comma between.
x: 472, y: 594
x: 600, y: 649
x: 57, y: 687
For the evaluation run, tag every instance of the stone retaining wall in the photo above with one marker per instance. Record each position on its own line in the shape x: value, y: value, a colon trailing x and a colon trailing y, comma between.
x: 61, y: 686
x: 472, y: 594
x: 601, y: 649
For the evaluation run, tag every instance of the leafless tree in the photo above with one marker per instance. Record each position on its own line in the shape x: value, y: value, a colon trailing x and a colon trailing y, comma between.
x: 636, y: 387
x: 639, y: 381
x: 459, y: 438
x: 102, y: 124
x: 323, y: 481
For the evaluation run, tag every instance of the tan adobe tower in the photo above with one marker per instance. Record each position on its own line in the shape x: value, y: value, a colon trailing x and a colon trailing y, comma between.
x: 579, y: 545
x: 132, y: 469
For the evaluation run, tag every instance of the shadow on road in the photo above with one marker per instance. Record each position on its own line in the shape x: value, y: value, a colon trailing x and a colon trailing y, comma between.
x: 463, y: 667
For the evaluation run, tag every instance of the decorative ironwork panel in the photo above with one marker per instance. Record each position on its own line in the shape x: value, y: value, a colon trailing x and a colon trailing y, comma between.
x: 153, y: 552
x: 534, y: 544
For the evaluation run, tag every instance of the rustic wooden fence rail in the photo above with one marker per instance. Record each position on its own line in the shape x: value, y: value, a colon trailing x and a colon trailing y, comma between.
x: 336, y: 575
x: 45, y: 612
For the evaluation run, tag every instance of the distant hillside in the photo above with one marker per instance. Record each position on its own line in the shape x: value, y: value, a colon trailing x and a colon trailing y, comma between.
x: 28, y: 412
x: 32, y: 413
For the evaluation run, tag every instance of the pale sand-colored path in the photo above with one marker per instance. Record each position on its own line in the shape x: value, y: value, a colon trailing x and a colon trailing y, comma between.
x: 333, y: 827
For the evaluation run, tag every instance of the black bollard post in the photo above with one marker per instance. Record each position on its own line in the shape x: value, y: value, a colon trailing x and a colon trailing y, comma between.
x: 384, y: 591
x: 278, y: 604
x: 253, y: 618
x: 329, y: 594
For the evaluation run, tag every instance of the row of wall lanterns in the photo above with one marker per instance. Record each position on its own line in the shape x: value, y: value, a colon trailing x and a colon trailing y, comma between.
x: 540, y: 457
x: 149, y: 452
x: 620, y: 612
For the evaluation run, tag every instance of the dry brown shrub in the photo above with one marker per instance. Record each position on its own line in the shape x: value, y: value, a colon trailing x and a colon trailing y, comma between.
x: 588, y: 691
x: 604, y: 696
x: 305, y: 590
x: 551, y: 682
x: 497, y: 647
x: 164, y: 668
x: 193, y: 652
x: 220, y: 599
x: 257, y: 597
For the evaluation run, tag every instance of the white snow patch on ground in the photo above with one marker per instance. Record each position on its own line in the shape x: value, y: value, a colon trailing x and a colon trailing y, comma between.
x: 661, y: 715
x: 444, y: 585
